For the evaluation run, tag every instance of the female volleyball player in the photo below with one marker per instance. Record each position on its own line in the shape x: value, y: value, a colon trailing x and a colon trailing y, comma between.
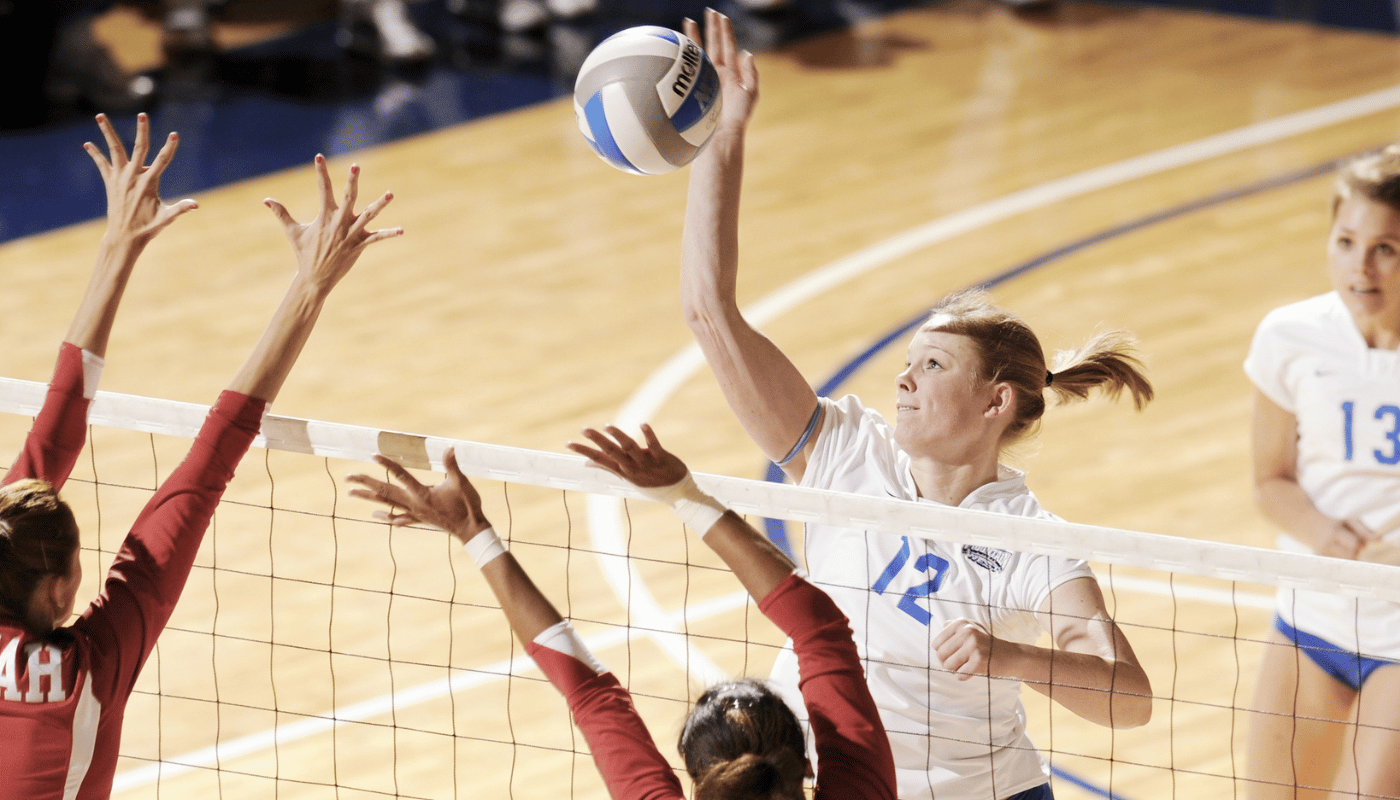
x: 934, y: 620
x: 1326, y: 446
x: 63, y: 688
x: 740, y: 740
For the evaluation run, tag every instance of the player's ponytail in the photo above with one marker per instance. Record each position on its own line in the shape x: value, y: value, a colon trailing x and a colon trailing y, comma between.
x: 38, y: 537
x: 744, y: 778
x: 1106, y: 362
x: 741, y: 742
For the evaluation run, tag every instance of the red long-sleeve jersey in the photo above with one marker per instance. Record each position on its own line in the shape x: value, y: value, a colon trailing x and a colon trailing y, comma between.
x: 853, y: 751
x: 62, y: 696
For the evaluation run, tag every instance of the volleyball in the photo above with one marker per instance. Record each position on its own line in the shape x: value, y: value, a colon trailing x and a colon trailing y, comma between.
x: 647, y: 99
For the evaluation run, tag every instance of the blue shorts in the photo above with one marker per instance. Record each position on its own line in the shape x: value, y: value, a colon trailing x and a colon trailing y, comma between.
x: 1041, y: 792
x: 1351, y: 669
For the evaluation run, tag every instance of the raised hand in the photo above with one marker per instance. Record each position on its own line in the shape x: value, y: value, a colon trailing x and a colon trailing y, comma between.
x: 738, y: 76
x: 644, y: 467
x: 327, y: 246
x: 135, y: 212
x: 453, y: 505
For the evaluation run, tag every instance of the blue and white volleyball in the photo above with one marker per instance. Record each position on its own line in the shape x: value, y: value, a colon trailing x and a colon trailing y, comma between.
x: 647, y: 99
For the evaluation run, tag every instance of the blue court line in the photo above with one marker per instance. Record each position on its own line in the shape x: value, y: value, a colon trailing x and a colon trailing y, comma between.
x: 1085, y: 785
x: 777, y: 529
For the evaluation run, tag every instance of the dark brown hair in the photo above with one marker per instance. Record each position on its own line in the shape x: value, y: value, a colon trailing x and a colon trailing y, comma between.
x: 38, y: 537
x: 740, y: 742
x: 1010, y: 352
x: 1375, y: 176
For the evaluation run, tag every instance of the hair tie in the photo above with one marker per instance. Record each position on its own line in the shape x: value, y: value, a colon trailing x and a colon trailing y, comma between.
x: 1049, y: 378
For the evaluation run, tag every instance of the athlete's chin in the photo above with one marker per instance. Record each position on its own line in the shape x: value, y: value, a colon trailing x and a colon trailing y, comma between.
x: 1370, y: 305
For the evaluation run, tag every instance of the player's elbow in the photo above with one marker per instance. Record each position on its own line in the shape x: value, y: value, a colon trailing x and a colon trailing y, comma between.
x: 704, y: 312
x: 1132, y: 704
x: 1131, y: 712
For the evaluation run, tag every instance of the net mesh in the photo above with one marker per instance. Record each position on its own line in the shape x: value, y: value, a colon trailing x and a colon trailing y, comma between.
x: 319, y: 653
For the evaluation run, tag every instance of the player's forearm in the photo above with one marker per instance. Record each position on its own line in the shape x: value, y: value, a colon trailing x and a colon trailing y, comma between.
x: 710, y: 242
x: 526, y: 608
x: 92, y: 323
x: 272, y: 358
x: 758, y: 564
x: 1108, y: 692
x: 1285, y: 504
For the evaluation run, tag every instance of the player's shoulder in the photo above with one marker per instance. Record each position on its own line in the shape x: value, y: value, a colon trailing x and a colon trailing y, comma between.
x: 1321, y: 313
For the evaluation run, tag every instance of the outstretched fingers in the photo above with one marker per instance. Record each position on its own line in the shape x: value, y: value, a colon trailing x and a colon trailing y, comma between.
x: 719, y: 38
x: 388, y: 493
x: 748, y: 72
x: 653, y: 443
x: 614, y: 450
x: 280, y: 212
x: 141, y: 147
x: 352, y: 189
x: 323, y: 182
x: 115, y: 148
x: 597, y: 456
x: 357, y: 228
x: 163, y: 157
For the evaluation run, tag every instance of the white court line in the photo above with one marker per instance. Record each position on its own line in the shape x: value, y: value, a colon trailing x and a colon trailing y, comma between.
x: 604, y: 513
x: 398, y: 701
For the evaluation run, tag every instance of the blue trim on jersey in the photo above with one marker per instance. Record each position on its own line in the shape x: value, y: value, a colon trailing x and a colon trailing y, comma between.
x: 603, y: 142
x: 1345, y: 666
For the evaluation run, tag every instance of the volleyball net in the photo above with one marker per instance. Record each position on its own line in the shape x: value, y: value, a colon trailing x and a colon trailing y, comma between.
x: 317, y: 652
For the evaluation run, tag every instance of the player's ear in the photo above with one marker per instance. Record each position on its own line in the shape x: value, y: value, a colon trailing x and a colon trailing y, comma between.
x: 1001, y: 401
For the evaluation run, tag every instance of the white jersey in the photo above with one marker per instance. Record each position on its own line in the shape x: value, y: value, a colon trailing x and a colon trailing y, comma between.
x: 1310, y: 359
x: 954, y: 740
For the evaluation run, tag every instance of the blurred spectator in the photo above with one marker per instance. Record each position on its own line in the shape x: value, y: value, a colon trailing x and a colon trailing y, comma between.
x: 52, y: 58
x: 382, y: 28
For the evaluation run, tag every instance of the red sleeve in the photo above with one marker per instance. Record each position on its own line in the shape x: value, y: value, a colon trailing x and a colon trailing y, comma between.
x: 150, y: 570
x: 622, y: 748
x: 53, y: 444
x: 853, y: 752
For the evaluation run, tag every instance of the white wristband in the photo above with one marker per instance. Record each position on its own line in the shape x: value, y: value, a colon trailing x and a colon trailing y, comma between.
x: 697, y: 510
x: 484, y: 547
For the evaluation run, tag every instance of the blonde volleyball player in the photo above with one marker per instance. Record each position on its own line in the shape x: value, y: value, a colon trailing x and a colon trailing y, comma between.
x: 740, y: 740
x: 1326, y: 444
x: 934, y: 620
x: 64, y: 688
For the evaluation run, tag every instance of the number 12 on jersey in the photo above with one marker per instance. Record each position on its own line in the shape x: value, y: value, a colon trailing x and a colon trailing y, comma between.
x: 924, y: 563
